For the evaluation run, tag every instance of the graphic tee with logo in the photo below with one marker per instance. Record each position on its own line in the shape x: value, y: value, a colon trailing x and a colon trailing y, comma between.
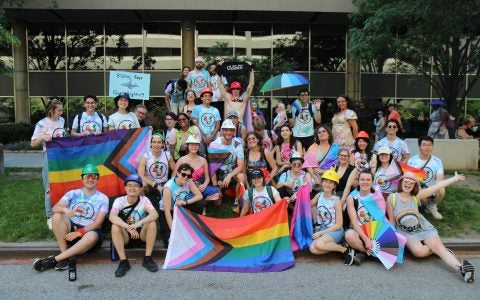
x: 140, y: 211
x: 123, y: 121
x: 206, y: 116
x: 90, y: 124
x: 86, y: 207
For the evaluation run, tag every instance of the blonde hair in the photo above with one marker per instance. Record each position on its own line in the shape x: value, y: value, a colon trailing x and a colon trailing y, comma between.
x: 51, y: 106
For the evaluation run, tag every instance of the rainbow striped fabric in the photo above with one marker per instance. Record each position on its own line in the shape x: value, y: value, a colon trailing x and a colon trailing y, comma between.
x: 114, y: 153
x: 301, y: 229
x: 254, y: 243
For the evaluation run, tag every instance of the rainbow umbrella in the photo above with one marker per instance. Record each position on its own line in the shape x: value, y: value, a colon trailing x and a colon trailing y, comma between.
x: 283, y: 81
x: 384, y: 240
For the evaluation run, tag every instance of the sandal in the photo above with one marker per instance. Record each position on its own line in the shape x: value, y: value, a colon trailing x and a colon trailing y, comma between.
x: 468, y: 271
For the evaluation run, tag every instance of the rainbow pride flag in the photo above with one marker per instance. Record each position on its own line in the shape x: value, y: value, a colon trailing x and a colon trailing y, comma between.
x: 254, y: 243
x: 115, y: 154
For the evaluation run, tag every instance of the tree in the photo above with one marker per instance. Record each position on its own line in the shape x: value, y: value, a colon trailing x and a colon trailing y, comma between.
x: 431, y: 35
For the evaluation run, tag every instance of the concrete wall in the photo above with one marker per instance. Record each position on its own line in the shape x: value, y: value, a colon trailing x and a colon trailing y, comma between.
x: 455, y: 154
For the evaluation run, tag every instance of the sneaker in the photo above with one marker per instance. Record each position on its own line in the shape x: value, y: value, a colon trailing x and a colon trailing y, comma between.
x: 43, y: 264
x: 433, y: 210
x: 149, y: 264
x: 62, y: 265
x: 123, y: 267
x: 359, y: 258
x: 468, y: 271
x: 348, y: 256
x: 49, y: 223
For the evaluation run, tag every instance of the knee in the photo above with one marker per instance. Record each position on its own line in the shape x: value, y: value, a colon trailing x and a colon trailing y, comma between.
x: 90, y: 237
x: 152, y: 225
x: 240, y: 178
x: 350, y: 236
x: 116, y: 229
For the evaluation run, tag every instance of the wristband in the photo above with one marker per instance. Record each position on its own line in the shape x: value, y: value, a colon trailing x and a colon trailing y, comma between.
x: 80, y: 232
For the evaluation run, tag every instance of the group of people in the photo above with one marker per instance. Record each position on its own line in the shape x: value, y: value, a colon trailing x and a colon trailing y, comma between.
x: 258, y: 168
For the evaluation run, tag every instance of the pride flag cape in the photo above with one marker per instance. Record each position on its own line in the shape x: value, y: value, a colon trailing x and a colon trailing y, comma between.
x: 217, y: 156
x: 247, y: 117
x: 254, y: 243
x: 330, y: 159
x: 301, y: 226
x: 114, y: 153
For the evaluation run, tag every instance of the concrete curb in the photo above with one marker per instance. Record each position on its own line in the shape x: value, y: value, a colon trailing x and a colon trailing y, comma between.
x: 32, y: 250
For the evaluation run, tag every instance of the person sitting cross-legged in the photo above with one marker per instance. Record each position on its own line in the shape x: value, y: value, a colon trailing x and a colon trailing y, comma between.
x: 133, y: 220
x: 77, y: 221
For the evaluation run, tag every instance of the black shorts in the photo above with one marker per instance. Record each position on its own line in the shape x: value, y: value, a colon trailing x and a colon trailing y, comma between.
x: 75, y: 227
x: 135, y: 243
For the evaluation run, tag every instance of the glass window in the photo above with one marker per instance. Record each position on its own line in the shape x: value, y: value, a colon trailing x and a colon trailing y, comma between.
x: 328, y: 48
x: 6, y: 56
x: 46, y: 46
x: 163, y: 42
x: 7, y: 110
x: 85, y: 46
x: 215, y: 40
x: 123, y: 46
x: 290, y: 47
x: 253, y: 40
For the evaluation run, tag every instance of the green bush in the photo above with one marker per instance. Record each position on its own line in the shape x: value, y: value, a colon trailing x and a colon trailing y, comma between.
x: 14, y: 132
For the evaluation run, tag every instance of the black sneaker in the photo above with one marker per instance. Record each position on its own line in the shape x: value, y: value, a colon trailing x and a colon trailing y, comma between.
x: 359, y: 258
x: 149, y: 264
x: 468, y: 271
x: 348, y: 255
x: 43, y: 264
x: 123, y: 267
x: 62, y: 265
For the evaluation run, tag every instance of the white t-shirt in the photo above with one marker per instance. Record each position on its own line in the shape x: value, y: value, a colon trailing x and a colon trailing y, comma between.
x: 47, y: 126
x: 433, y: 168
x: 123, y: 121
x: 90, y: 124
x: 140, y: 211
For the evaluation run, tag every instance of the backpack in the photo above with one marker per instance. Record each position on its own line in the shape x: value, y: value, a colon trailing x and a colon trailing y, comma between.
x: 250, y: 195
x: 172, y: 82
x: 100, y: 115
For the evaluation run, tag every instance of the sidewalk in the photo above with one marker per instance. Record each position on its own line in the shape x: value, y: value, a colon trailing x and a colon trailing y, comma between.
x: 19, y: 159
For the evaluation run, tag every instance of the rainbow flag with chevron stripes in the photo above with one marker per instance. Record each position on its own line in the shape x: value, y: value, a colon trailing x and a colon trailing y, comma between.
x: 255, y: 243
x: 115, y: 154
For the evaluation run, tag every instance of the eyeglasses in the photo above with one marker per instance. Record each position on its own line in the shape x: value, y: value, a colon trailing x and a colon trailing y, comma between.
x: 392, y: 126
x: 186, y: 175
x: 343, y: 155
x: 169, y: 119
x: 132, y: 186
x: 304, y: 94
x: 90, y: 176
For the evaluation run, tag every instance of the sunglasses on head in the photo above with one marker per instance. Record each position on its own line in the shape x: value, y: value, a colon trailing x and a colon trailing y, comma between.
x: 90, y: 176
x: 186, y: 175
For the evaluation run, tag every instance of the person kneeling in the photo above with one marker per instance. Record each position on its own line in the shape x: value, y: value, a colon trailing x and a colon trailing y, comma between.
x: 328, y: 219
x: 77, y: 221
x: 259, y: 196
x: 133, y: 220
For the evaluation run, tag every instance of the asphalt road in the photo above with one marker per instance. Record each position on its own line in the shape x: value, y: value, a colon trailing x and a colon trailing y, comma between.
x: 309, y: 279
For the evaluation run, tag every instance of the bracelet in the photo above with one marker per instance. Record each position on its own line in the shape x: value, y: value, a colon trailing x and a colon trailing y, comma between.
x: 80, y: 232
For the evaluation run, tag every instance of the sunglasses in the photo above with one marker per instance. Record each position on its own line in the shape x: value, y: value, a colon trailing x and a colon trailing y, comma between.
x: 90, y: 176
x: 186, y: 175
x: 304, y: 94
x: 233, y: 89
x: 296, y: 164
x: 392, y: 126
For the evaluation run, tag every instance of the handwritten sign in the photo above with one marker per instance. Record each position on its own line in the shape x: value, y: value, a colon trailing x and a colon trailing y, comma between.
x: 137, y: 85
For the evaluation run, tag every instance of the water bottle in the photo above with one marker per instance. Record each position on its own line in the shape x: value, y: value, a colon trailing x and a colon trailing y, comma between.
x: 72, y: 269
x: 113, y: 252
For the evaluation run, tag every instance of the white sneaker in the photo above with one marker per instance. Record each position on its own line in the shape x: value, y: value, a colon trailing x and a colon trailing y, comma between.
x: 433, y: 210
x: 49, y: 223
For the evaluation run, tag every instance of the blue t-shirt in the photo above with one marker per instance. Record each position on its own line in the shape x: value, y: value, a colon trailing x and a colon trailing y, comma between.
x: 207, y: 118
x: 177, y: 192
x: 86, y: 207
x: 199, y: 80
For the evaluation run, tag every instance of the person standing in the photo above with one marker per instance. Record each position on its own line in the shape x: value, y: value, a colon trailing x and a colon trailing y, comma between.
x: 217, y: 99
x: 234, y: 99
x: 398, y: 146
x: 438, y: 120
x: 175, y: 94
x: 344, y: 123
x: 123, y: 118
x: 393, y: 114
x: 89, y: 121
x: 77, y: 221
x: 303, y: 117
x: 52, y: 126
x: 198, y: 79
x: 133, y: 219
x: 433, y: 166
x: 207, y: 118
x: 380, y: 124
